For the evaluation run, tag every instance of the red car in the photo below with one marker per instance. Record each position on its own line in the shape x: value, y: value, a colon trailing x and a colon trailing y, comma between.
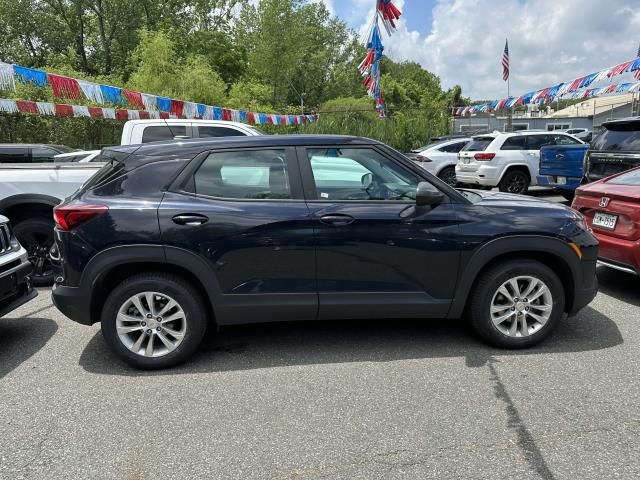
x: 612, y: 209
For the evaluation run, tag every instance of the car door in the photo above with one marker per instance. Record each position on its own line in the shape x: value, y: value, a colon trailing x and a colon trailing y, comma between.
x: 243, y: 212
x: 378, y: 254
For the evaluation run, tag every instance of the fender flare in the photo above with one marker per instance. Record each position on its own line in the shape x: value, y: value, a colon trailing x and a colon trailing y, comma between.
x: 510, y: 166
x: 105, y: 261
x: 23, y: 198
x: 487, y: 252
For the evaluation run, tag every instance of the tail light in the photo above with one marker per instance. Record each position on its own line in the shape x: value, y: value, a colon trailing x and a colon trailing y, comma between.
x: 423, y: 159
x: 484, y: 156
x: 71, y: 216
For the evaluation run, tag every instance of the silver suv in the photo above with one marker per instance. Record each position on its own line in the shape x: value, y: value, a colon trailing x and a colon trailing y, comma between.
x: 15, y: 287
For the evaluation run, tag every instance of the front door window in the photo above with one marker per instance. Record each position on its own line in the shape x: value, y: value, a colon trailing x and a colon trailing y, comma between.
x: 359, y: 174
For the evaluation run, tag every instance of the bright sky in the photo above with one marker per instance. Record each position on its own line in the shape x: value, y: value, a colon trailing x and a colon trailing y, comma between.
x: 550, y: 41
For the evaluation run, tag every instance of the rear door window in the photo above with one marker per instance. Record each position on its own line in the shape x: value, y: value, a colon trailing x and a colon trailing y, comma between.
x: 159, y: 133
x: 213, y: 131
x: 477, y: 144
x: 246, y: 175
x: 536, y: 142
x: 14, y: 154
x: 623, y: 137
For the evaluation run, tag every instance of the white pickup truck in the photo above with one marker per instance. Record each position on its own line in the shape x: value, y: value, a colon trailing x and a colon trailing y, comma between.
x: 28, y: 193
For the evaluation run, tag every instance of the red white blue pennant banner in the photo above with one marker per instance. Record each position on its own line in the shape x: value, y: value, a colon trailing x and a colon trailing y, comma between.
x: 144, y: 105
x: 78, y: 111
x: 581, y: 87
x: 388, y: 14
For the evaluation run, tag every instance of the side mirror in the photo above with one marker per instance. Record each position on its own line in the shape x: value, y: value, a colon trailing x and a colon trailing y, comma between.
x: 427, y: 194
x: 367, y: 180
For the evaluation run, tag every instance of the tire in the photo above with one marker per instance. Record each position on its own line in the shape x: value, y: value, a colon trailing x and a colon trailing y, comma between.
x: 36, y: 236
x: 448, y: 176
x: 515, y: 181
x: 568, y: 194
x: 486, y: 294
x: 189, y: 329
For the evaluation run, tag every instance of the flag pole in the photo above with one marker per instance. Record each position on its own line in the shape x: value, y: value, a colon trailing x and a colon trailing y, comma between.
x: 510, y: 114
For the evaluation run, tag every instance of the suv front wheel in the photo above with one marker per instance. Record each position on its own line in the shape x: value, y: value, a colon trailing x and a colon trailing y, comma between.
x: 515, y: 181
x: 154, y: 320
x: 516, y: 304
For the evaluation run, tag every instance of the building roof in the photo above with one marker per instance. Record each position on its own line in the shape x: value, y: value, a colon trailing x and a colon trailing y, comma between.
x: 594, y: 106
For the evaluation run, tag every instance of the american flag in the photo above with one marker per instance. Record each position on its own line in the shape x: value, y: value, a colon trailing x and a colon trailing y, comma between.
x: 505, y: 61
x: 636, y: 74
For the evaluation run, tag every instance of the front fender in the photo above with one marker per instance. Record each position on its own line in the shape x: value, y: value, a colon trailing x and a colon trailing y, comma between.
x: 520, y: 245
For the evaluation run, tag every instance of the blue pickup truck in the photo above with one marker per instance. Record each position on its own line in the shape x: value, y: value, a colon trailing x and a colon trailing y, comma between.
x: 562, y: 167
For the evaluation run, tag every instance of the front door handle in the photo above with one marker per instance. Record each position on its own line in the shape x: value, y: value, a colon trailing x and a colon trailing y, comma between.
x: 337, y: 219
x: 191, y: 219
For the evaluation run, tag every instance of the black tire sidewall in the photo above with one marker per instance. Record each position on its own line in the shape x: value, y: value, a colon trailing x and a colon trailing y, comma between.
x: 39, y: 225
x: 177, y: 289
x: 506, y: 180
x: 488, y: 285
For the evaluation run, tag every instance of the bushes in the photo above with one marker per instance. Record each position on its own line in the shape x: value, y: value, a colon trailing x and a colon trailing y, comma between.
x: 85, y: 133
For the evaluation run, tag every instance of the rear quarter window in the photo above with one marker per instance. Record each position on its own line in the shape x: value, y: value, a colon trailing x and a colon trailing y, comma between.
x: 623, y: 137
x: 515, y: 143
x: 477, y: 144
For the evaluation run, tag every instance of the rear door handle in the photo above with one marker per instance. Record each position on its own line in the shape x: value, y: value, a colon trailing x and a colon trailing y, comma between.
x: 191, y: 219
x: 337, y: 219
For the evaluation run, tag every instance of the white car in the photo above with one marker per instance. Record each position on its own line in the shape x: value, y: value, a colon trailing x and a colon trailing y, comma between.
x: 509, y: 161
x: 145, y: 131
x: 440, y: 158
x: 576, y: 131
x: 81, y: 156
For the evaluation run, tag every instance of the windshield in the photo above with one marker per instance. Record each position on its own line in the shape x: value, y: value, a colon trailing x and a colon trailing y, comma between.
x: 473, y: 197
x: 477, y: 144
x: 629, y: 178
x: 619, y: 137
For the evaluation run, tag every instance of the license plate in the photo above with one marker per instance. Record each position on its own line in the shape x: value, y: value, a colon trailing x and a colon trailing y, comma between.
x: 7, y: 286
x: 604, y: 220
x: 466, y: 160
x: 562, y: 180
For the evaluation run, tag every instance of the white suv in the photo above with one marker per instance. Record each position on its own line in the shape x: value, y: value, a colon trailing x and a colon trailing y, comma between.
x: 440, y: 158
x: 509, y: 161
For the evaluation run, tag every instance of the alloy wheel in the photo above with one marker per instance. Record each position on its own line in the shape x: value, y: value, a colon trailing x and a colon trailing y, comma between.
x: 448, y: 175
x: 151, y: 324
x: 521, y: 306
x: 38, y: 245
x: 517, y: 183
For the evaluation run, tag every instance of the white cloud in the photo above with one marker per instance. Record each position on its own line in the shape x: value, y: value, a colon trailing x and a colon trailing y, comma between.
x: 549, y: 41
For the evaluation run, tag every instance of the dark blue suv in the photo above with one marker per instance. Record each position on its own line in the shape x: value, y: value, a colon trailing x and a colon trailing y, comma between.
x: 169, y: 239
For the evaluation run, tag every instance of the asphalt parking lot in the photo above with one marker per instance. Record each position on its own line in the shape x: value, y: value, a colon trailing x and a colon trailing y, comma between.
x: 331, y: 400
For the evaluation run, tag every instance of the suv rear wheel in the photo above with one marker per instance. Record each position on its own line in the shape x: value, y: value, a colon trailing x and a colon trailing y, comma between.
x: 448, y: 176
x: 36, y: 236
x: 516, y: 304
x: 154, y: 320
x: 514, y: 181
